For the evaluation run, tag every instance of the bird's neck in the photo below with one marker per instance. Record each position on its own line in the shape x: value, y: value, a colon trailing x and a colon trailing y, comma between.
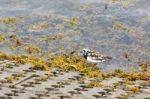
x: 85, y: 55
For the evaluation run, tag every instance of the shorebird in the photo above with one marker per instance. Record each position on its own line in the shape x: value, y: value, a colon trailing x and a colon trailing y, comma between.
x: 94, y: 57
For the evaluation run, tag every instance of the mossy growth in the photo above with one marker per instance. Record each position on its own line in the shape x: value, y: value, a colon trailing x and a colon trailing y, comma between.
x: 143, y: 66
x: 8, y: 20
x: 64, y: 61
x: 38, y: 27
x: 134, y: 89
x: 32, y: 49
x: 44, y: 78
x: 115, y: 85
x: 4, y: 67
x: 128, y: 82
x: 73, y: 21
x: 95, y: 83
x: 11, y: 79
x: 2, y: 38
x: 37, y: 63
x: 76, y: 63
x: 12, y: 36
x: 132, y: 76
x: 124, y: 3
x: 14, y: 77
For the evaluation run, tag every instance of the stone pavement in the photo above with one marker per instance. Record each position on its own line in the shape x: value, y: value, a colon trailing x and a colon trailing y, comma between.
x: 19, y: 81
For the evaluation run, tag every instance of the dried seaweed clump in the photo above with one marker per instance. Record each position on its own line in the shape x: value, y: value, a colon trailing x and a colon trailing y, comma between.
x: 38, y: 27
x: 95, y: 83
x: 32, y: 49
x: 73, y: 21
x: 2, y: 38
x: 74, y: 62
x: 133, y: 76
x: 67, y: 62
x: 123, y: 3
x: 38, y: 63
x: 134, y: 89
x: 8, y: 20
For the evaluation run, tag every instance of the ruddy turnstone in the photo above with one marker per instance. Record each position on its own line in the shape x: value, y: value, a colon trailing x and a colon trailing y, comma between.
x: 94, y: 57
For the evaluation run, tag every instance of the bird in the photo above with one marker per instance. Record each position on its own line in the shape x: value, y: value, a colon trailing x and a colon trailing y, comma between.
x: 94, y: 57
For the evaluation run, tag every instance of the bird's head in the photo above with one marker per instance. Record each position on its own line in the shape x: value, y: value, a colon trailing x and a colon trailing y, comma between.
x: 85, y: 52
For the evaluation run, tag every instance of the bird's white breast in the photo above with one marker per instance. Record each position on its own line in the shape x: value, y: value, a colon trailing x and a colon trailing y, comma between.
x: 90, y: 59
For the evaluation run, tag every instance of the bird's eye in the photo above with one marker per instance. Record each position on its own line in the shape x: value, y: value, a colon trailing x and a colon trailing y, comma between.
x: 84, y: 51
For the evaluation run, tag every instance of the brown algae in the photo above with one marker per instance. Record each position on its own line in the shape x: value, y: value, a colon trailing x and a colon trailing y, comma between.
x: 8, y: 20
x: 72, y: 62
x: 2, y: 38
x: 66, y: 62
x: 76, y: 63
x: 38, y: 63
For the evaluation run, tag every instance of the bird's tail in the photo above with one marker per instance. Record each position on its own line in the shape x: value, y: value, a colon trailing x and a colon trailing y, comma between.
x: 107, y: 58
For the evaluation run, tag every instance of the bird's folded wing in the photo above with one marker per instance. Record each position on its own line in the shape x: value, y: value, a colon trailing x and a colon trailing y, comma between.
x: 97, y: 56
x: 93, y: 54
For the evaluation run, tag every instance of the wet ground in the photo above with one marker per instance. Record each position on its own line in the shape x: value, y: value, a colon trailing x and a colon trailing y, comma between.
x: 118, y: 29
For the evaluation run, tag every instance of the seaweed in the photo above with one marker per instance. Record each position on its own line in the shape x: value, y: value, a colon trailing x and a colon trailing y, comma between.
x: 8, y: 20
x: 2, y: 38
x: 134, y: 89
x: 32, y: 49
x: 37, y: 63
x: 76, y: 63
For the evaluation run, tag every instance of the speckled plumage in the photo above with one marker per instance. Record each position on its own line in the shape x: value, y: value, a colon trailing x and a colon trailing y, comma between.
x: 94, y: 57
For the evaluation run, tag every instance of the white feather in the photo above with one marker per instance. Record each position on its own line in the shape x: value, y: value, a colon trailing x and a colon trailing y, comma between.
x: 93, y: 60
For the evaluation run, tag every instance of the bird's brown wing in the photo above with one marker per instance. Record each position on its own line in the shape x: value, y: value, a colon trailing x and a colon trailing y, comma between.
x: 98, y: 56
